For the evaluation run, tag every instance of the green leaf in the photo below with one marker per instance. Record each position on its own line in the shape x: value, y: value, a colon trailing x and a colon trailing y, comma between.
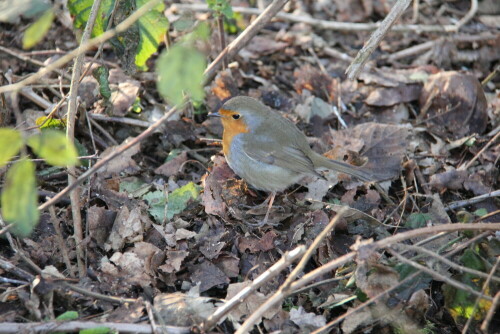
x: 54, y: 147
x: 157, y: 202
x: 152, y: 29
x: 11, y: 11
x: 68, y: 315
x: 80, y: 10
x: 139, y: 42
x: 19, y: 198
x: 101, y: 74
x: 180, y: 71
x: 10, y: 144
x: 38, y: 29
x: 96, y: 330
x: 221, y: 7
x: 50, y: 123
x: 417, y: 220
x: 178, y: 200
x: 481, y: 212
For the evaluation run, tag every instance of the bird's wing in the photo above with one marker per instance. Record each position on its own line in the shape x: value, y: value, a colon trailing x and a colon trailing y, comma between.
x: 272, y: 153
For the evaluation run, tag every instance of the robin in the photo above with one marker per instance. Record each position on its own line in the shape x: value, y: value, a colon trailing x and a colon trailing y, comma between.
x: 268, y: 151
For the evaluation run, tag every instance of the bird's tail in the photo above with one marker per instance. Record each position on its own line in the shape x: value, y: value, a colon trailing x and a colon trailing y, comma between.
x: 360, y: 173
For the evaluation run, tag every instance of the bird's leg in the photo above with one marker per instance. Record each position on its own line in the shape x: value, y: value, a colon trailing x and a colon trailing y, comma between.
x: 258, y: 207
x: 271, y: 201
x: 269, y: 206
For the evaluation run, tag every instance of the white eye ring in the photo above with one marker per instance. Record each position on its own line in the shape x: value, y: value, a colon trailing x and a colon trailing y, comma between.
x: 236, y: 116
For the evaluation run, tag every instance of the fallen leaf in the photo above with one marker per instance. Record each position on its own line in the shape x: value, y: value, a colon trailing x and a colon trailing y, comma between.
x: 307, y: 321
x: 453, y: 105
x: 208, y: 275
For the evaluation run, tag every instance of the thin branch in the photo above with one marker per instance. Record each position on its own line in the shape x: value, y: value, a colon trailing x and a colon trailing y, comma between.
x: 104, y: 161
x: 74, y: 195
x: 237, y: 44
x: 488, y: 144
x: 123, y: 120
x: 274, y: 270
x: 449, y: 263
x: 124, y: 25
x: 280, y: 295
x: 362, y: 250
x: 491, y: 312
x: 71, y: 326
x: 328, y: 24
x: 362, y: 57
x: 483, y: 291
x: 470, y: 201
x: 438, y: 276
x: 312, y: 248
x: 365, y: 304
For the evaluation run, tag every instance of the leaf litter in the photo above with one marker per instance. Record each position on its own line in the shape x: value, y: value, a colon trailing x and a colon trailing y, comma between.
x: 161, y: 225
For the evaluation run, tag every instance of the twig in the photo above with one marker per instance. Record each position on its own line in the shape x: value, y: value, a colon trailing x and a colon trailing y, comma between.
x: 438, y: 276
x: 9, y: 267
x: 364, y: 249
x: 280, y: 295
x: 274, y: 270
x: 473, y: 200
x: 146, y: 133
x: 490, y: 76
x: 85, y: 292
x: 362, y: 57
x: 60, y: 240
x: 337, y: 54
x: 29, y: 60
x: 470, y: 14
x: 239, y: 42
x: 71, y: 326
x: 28, y: 93
x: 491, y: 312
x: 149, y: 309
x: 446, y: 261
x: 488, y: 144
x: 483, y: 290
x: 411, y: 51
x: 365, y: 304
x: 102, y: 130
x: 330, y: 25
x: 74, y: 195
x: 312, y: 248
x: 123, y: 120
x: 124, y: 25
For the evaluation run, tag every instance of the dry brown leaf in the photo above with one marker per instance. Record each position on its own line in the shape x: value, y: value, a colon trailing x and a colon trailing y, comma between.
x: 453, y: 105
x: 207, y: 275
x: 129, y: 226
x: 250, y: 304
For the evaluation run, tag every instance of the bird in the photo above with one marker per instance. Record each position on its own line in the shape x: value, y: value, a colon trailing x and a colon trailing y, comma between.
x: 268, y: 151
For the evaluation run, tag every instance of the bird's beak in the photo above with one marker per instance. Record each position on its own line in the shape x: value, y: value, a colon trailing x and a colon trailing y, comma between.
x: 214, y: 114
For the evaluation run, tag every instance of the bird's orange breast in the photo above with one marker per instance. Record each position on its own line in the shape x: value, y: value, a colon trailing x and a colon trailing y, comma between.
x: 232, y: 127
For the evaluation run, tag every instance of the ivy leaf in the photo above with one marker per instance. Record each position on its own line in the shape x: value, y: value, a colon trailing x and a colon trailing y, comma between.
x: 68, y: 315
x: 180, y: 71
x: 152, y: 28
x: 80, y: 10
x: 139, y: 42
x: 50, y: 123
x: 38, y: 29
x: 54, y: 147
x: 178, y: 201
x: 10, y: 143
x: 101, y: 74
x: 19, y: 198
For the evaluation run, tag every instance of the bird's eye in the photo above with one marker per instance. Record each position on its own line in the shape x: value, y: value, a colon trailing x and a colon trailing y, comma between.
x: 236, y: 116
